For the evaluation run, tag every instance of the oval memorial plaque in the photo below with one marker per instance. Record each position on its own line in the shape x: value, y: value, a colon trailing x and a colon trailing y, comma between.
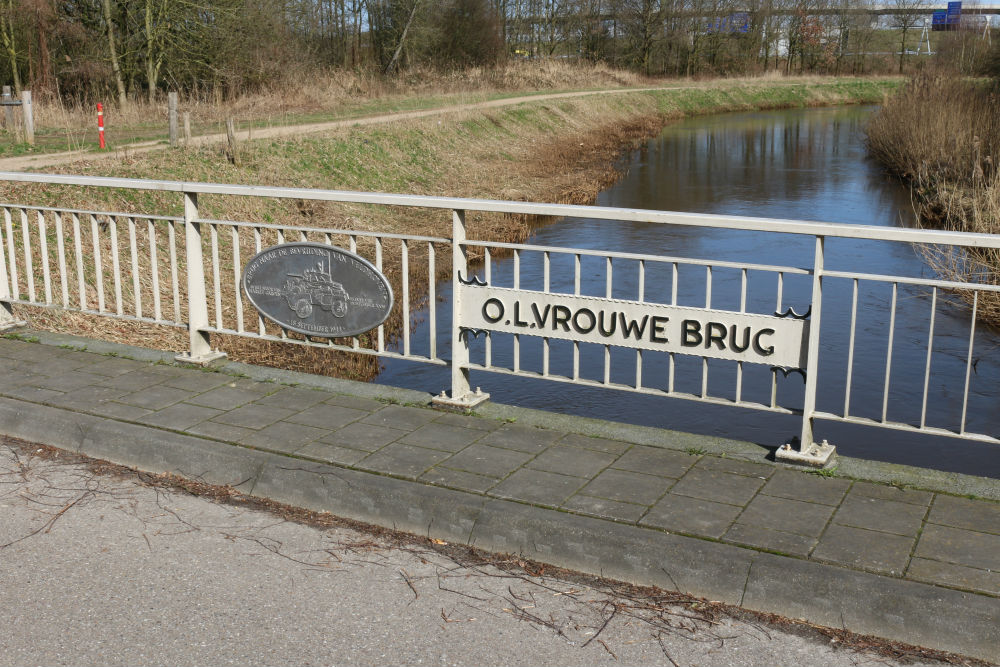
x: 317, y: 290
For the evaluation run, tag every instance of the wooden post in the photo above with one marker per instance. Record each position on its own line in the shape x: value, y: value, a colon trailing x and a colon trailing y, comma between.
x: 8, y: 111
x: 172, y: 117
x: 187, y: 127
x: 231, y: 137
x: 28, y: 116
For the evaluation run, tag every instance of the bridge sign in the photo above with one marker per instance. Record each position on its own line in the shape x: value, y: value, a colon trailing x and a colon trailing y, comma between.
x: 317, y: 290
x: 775, y: 340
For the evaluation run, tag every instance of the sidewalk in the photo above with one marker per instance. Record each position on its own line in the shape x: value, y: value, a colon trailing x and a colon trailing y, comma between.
x: 914, y: 565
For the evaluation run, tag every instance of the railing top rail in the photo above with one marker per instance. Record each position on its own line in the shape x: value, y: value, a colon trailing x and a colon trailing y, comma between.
x: 828, y: 229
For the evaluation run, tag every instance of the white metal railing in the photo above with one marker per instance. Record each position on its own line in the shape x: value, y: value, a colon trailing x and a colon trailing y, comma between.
x: 185, y: 272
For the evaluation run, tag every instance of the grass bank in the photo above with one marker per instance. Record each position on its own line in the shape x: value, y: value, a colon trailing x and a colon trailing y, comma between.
x: 559, y: 150
x: 943, y: 137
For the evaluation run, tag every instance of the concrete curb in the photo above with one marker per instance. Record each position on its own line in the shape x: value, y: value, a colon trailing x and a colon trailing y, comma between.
x: 825, y: 594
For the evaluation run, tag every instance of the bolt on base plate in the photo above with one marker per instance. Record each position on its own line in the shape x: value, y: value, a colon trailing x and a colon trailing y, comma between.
x: 466, y: 402
x: 817, y: 455
x: 203, y: 360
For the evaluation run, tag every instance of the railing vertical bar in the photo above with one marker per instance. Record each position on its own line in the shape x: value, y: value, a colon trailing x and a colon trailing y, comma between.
x: 850, y: 349
x: 378, y: 265
x: 15, y: 288
x: 927, y: 365
x: 213, y: 235
x: 546, y: 271
x: 256, y: 248
x: 609, y: 277
x: 175, y: 286
x: 95, y: 237
x: 134, y: 256
x: 547, y: 284
x: 968, y: 361
x: 404, y: 250
x: 237, y: 270
x: 303, y: 237
x: 642, y: 297
x: 743, y: 309
x: 607, y: 364
x: 888, y: 359
x: 675, y: 274
x: 43, y: 248
x: 352, y: 245
x: 116, y: 265
x: 807, y: 434
x: 774, y: 371
x: 154, y: 266
x: 81, y: 283
x: 517, y: 286
x: 281, y: 236
x: 576, y: 290
x: 488, y: 274
x: 432, y: 299
x: 708, y: 304
x: 29, y: 270
x: 61, y: 252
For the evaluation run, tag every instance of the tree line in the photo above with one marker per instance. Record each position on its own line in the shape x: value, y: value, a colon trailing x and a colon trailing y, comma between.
x: 139, y: 48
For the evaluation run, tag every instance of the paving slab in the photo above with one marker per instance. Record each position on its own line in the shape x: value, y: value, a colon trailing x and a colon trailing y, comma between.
x: 721, y: 487
x: 402, y: 460
x: 283, y: 437
x: 959, y: 546
x: 865, y: 549
x: 966, y: 513
x: 155, y: 398
x: 445, y: 437
x: 681, y: 514
x: 324, y: 415
x: 253, y: 416
x: 769, y: 539
x: 293, y: 398
x: 488, y: 461
x: 572, y: 461
x: 527, y: 439
x: 401, y: 417
x: 628, y: 487
x: 537, y: 487
x: 653, y: 461
x: 791, y: 516
x: 795, y: 485
x: 179, y: 417
x: 604, y: 508
x: 887, y: 516
x: 364, y: 437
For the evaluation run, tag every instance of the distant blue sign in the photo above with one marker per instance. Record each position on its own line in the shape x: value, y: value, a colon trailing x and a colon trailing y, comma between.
x: 939, y: 17
x: 734, y: 23
x: 954, y: 13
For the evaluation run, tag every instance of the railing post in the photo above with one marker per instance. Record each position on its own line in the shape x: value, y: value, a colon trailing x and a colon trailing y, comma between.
x: 809, y: 452
x: 462, y: 395
x: 28, y: 117
x: 200, y: 351
x: 7, y: 319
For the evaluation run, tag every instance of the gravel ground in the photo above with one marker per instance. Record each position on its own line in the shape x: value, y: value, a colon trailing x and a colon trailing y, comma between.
x: 101, y: 565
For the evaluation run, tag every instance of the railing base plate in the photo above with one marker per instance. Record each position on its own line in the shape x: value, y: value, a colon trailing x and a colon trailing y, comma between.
x: 466, y: 402
x: 16, y: 324
x: 202, y: 360
x: 817, y: 455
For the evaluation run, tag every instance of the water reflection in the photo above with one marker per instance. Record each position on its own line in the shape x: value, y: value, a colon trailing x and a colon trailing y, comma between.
x: 800, y: 164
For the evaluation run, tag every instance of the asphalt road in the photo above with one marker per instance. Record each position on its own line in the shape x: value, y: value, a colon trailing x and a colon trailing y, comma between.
x: 100, y: 568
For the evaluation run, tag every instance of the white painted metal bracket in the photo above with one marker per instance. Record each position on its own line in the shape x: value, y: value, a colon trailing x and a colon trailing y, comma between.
x: 7, y: 325
x: 817, y: 455
x: 201, y: 360
x: 466, y: 402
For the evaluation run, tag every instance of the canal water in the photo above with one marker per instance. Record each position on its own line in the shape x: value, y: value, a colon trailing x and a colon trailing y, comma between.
x: 794, y: 164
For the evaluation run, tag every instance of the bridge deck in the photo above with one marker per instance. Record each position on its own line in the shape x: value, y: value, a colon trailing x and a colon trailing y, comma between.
x: 701, y: 515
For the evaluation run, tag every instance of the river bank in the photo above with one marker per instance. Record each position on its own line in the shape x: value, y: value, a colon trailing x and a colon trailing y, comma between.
x: 550, y: 150
x: 942, y: 137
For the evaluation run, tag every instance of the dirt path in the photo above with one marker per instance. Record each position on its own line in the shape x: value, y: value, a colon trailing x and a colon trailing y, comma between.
x: 29, y: 162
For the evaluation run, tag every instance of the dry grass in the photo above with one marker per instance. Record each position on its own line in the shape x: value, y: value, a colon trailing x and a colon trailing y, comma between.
x: 340, y: 91
x: 943, y: 136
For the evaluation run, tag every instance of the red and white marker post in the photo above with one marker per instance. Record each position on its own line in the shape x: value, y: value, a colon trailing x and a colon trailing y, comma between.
x: 100, y: 124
